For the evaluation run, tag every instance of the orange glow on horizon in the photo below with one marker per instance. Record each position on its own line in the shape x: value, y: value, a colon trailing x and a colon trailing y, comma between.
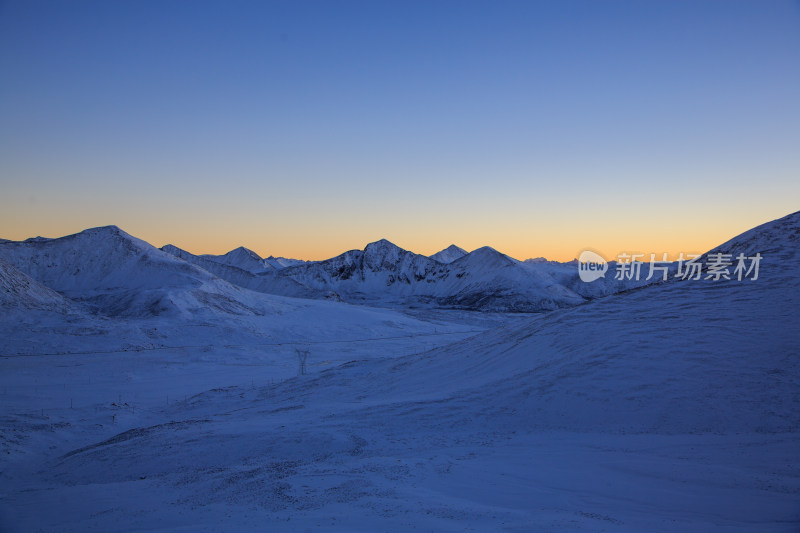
x: 561, y: 243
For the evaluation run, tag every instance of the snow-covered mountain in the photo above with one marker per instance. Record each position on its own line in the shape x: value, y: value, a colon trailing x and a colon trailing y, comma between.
x: 233, y: 274
x: 449, y: 254
x: 266, y: 281
x: 248, y: 260
x: 118, y: 274
x: 283, y: 262
x: 382, y: 271
x: 484, y: 279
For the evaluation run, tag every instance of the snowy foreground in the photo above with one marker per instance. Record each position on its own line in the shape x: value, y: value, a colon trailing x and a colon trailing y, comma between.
x: 673, y: 407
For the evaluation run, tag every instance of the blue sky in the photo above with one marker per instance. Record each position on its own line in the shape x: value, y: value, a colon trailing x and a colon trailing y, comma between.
x: 309, y: 128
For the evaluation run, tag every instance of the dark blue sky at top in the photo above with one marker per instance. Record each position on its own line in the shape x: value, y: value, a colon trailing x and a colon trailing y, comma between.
x: 494, y: 106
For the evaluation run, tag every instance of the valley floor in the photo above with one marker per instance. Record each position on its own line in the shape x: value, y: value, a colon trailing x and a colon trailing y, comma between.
x: 211, y: 436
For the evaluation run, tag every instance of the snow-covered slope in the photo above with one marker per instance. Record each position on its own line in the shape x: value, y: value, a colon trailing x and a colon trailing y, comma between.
x: 19, y: 292
x: 449, y: 254
x: 776, y: 241
x: 686, y: 356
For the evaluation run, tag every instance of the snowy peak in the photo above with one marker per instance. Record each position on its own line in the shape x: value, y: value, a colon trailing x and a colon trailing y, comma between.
x: 97, y: 259
x: 485, y: 257
x: 382, y: 255
x: 242, y: 253
x: 242, y: 258
x: 382, y: 248
x: 115, y: 273
x: 449, y: 254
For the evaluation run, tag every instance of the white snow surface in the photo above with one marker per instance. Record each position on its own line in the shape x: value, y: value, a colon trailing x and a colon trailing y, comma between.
x: 671, y: 407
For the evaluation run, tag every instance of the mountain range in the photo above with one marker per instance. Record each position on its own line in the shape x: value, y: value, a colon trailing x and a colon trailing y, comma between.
x: 112, y: 273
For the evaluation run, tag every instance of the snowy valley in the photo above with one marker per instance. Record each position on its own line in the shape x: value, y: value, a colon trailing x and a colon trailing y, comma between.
x: 148, y: 389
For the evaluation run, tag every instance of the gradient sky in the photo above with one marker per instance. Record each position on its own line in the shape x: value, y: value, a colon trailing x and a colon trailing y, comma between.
x: 305, y: 129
